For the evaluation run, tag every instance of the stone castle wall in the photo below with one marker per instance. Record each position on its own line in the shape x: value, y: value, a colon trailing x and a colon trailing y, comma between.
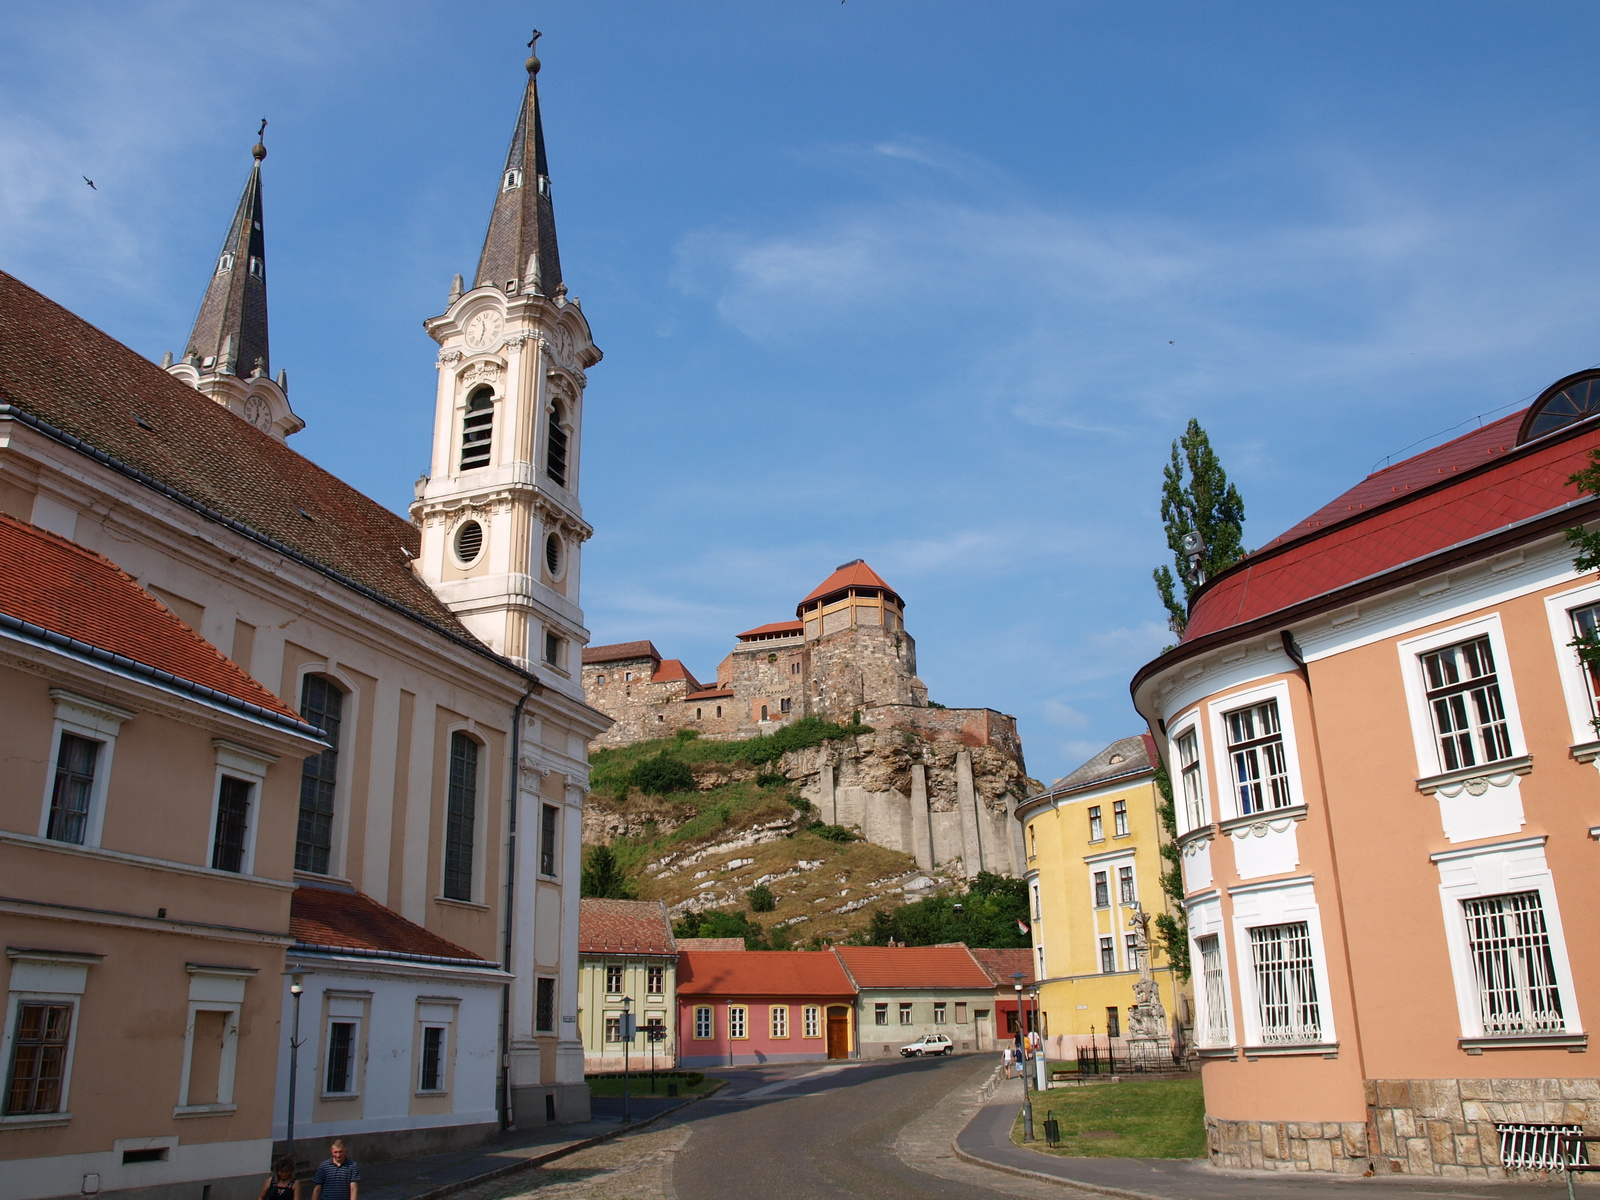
x: 638, y: 706
x: 862, y: 668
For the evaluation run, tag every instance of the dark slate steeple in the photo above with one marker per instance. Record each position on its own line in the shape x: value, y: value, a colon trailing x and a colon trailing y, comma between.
x: 519, y: 251
x: 231, y: 328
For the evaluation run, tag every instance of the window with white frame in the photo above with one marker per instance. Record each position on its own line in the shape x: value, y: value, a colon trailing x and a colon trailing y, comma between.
x: 211, y: 1041
x: 41, y: 1020
x: 1108, y: 955
x: 813, y: 1020
x: 702, y: 1022
x: 880, y: 1014
x: 1125, y: 885
x: 613, y: 1027
x: 939, y: 1011
x: 1256, y: 754
x: 655, y: 980
x: 1097, y: 827
x: 905, y: 1013
x: 1102, y: 890
x: 1286, y: 985
x: 1512, y: 965
x: 1215, y: 991
x: 1042, y: 974
x: 76, y: 758
x: 1119, y: 817
x: 435, y: 1017
x: 738, y: 1021
x: 75, y: 794
x: 779, y: 1020
x: 1462, y: 688
x: 1034, y: 891
x: 1194, y: 799
x: 1586, y: 628
x: 614, y: 979
x: 241, y: 771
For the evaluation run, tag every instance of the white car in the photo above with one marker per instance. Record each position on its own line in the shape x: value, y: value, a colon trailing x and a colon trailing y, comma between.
x: 928, y: 1043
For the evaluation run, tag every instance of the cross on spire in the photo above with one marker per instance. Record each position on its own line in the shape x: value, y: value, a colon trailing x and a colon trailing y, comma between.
x: 519, y: 249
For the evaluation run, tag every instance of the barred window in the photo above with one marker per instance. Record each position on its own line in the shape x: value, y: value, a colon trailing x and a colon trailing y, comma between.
x: 1125, y: 884
x: 430, y: 1078
x: 1260, y: 768
x: 340, y: 1077
x: 321, y: 705
x: 1102, y: 890
x: 1194, y: 799
x: 1286, y: 984
x: 76, y: 759
x: 38, y: 1058
x: 1216, y: 991
x: 1511, y: 961
x: 233, y: 824
x: 547, y: 840
x: 544, y: 1005
x: 461, y: 817
x: 1469, y: 717
x: 477, y: 430
x: 702, y: 1022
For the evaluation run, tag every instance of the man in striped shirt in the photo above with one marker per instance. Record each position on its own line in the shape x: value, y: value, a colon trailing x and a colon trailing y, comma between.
x: 338, y: 1177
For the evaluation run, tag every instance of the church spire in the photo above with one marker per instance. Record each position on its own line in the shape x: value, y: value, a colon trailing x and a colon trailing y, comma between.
x: 519, y: 251
x: 231, y: 328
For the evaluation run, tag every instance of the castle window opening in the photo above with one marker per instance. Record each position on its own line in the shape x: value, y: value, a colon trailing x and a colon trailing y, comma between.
x: 794, y: 667
x: 477, y: 430
x: 763, y: 712
x: 600, y: 680
x: 661, y: 716
x: 697, y: 714
x: 785, y: 704
x: 719, y: 710
x: 627, y: 676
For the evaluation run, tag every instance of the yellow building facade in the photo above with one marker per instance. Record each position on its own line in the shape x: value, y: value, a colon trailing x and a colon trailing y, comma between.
x: 1093, y: 865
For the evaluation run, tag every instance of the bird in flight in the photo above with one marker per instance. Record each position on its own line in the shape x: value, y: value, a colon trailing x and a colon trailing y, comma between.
x: 90, y: 182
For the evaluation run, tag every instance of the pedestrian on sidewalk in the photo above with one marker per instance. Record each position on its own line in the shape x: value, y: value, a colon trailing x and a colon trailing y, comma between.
x: 281, y: 1184
x: 337, y: 1178
x: 1006, y: 1059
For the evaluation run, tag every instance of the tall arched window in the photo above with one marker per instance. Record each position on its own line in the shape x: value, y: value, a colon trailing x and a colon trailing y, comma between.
x: 555, y: 455
x: 322, y: 705
x: 477, y: 430
x: 461, y: 817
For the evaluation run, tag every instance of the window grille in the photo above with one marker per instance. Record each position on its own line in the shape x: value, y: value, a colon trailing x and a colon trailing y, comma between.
x: 702, y: 1022
x: 655, y: 980
x: 1539, y: 1147
x: 321, y: 705
x: 1260, y: 768
x: 1511, y: 961
x: 1119, y: 815
x: 1102, y: 890
x: 477, y: 430
x: 431, y: 1077
x: 1194, y: 800
x: 38, y: 1058
x: 1469, y: 717
x: 74, y: 789
x: 1216, y: 991
x: 1108, y: 955
x: 233, y: 822
x: 1286, y: 984
x: 1125, y: 884
x: 461, y: 817
x: 547, y: 840
x: 1097, y: 827
x: 544, y: 1005
x: 555, y: 457
x: 341, y: 1047
x: 613, y: 979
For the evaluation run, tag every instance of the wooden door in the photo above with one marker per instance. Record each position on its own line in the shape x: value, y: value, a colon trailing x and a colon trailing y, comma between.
x: 980, y: 1018
x: 838, y: 1031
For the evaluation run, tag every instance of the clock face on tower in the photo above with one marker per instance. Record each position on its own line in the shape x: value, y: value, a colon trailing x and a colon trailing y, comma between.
x: 483, y: 329
x: 258, y: 412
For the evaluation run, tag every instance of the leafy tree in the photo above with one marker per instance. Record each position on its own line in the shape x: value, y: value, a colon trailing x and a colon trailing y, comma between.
x: 603, y: 878
x: 990, y: 910
x: 1196, y: 497
x: 714, y: 924
x: 1173, y: 930
x: 662, y: 774
x: 761, y: 898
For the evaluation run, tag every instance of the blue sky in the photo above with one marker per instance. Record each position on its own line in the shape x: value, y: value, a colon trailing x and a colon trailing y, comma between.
x: 933, y: 284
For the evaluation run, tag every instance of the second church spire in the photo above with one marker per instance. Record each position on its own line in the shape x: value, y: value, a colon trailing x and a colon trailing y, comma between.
x: 519, y: 250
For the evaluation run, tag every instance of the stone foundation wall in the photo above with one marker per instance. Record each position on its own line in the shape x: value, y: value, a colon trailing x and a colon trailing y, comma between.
x: 1444, y: 1128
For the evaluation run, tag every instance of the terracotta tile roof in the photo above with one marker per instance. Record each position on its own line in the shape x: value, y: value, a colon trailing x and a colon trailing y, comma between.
x: 624, y: 926
x: 776, y: 627
x: 320, y: 916
x: 1001, y: 965
x: 618, y: 651
x: 672, y: 670
x: 710, y: 694
x: 718, y: 944
x: 58, y: 585
x: 913, y: 967
x: 63, y: 371
x: 1134, y: 756
x: 1441, y: 502
x: 851, y: 574
x: 761, y: 973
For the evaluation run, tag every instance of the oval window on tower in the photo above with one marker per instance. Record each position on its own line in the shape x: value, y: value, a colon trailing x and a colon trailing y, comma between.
x: 552, y: 555
x: 469, y: 543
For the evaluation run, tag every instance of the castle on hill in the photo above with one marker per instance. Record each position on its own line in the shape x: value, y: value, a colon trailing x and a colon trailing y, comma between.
x: 946, y: 792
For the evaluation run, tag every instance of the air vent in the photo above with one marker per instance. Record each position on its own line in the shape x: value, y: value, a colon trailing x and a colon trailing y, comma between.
x: 469, y: 542
x: 552, y: 554
x: 153, y: 1154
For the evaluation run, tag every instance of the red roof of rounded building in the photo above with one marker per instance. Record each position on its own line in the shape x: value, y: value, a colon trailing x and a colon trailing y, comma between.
x: 913, y: 967
x: 60, y: 586
x: 851, y: 574
x: 761, y: 973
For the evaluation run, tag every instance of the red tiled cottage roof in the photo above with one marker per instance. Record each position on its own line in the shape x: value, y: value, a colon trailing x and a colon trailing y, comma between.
x: 1467, y: 488
x: 347, y: 920
x: 672, y: 670
x: 618, y: 651
x: 624, y: 927
x: 57, y: 369
x: 1001, y: 965
x: 772, y: 629
x: 57, y: 585
x: 716, y: 944
x: 761, y: 973
x: 913, y: 967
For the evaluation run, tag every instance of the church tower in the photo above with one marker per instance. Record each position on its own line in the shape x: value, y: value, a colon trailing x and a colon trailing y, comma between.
x: 227, y: 357
x: 502, y: 528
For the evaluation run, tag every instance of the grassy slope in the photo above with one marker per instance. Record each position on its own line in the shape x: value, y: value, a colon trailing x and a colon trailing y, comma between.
x: 1151, y: 1120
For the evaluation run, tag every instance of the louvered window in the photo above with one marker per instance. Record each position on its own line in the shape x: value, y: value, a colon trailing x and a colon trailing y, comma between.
x: 555, y: 458
x: 477, y: 430
x: 1515, y: 973
x: 321, y: 704
x: 461, y: 817
x: 1286, y: 983
x: 1469, y: 717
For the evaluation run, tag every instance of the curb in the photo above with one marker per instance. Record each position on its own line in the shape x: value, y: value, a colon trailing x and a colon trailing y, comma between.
x: 1124, y: 1193
x: 539, y: 1160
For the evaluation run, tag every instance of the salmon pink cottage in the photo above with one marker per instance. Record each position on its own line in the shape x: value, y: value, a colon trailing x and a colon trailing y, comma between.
x: 760, y: 1006
x: 1383, y: 749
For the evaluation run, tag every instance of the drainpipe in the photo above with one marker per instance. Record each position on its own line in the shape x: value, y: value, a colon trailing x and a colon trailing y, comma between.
x: 511, y: 895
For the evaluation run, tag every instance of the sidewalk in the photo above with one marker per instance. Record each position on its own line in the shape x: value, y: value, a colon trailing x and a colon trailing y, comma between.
x: 434, y: 1176
x: 986, y: 1141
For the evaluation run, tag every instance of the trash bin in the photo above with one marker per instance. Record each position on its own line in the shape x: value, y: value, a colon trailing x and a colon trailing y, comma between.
x: 1052, y: 1131
x: 672, y: 1088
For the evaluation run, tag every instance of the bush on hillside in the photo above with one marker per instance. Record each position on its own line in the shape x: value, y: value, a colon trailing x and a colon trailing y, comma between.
x: 660, y: 775
x: 603, y: 877
x: 991, y: 908
x: 831, y: 833
x: 761, y: 898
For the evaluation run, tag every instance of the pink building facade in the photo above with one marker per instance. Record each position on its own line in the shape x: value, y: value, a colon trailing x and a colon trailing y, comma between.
x: 740, y: 1007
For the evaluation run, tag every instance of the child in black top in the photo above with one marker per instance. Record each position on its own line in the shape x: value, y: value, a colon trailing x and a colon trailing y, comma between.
x: 281, y: 1184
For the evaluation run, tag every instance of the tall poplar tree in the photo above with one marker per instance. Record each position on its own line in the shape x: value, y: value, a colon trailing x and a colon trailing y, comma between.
x: 1196, y: 496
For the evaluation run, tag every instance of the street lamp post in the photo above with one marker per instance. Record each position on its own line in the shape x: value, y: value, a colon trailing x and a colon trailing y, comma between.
x: 627, y: 1044
x: 1027, y: 1098
x: 296, y: 989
